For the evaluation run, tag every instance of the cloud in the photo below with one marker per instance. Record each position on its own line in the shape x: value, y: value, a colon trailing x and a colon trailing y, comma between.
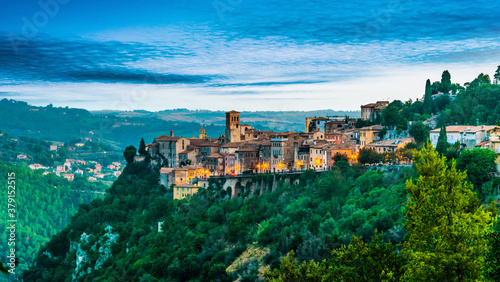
x: 53, y: 60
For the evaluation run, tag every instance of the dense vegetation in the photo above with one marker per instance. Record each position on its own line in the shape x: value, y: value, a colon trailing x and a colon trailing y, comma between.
x: 449, y: 237
x: 44, y: 205
x: 204, y: 235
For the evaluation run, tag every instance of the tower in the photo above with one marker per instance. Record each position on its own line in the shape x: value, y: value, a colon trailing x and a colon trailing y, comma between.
x: 202, y: 134
x: 233, y: 126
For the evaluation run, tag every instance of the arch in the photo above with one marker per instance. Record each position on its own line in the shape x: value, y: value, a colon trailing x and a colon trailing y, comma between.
x: 238, y: 188
x: 248, y: 188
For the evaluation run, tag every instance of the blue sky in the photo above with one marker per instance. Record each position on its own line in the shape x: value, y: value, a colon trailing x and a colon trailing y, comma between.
x: 239, y: 54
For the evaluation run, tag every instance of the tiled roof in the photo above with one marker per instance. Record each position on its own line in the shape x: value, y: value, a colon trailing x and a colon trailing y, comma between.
x: 167, y: 138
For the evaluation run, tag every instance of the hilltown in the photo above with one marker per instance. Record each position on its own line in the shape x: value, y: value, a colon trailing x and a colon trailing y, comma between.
x: 245, y: 150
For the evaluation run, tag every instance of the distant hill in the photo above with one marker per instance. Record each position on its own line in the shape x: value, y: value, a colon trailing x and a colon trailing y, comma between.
x: 121, y: 128
x: 66, y: 124
x: 279, y: 121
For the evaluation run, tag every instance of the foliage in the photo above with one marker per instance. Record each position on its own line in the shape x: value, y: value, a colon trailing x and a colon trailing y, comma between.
x: 129, y: 154
x: 45, y: 204
x: 359, y: 261
x: 479, y: 164
x: 142, y: 148
x: 445, y: 224
x: 419, y: 131
x: 442, y: 143
x: 340, y: 157
x: 445, y: 85
x: 492, y: 270
x: 204, y: 235
x: 428, y: 98
x: 497, y: 74
x: 368, y: 156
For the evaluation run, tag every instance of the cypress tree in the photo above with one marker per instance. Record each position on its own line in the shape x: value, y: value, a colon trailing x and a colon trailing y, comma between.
x: 142, y: 148
x: 442, y: 144
x: 428, y: 98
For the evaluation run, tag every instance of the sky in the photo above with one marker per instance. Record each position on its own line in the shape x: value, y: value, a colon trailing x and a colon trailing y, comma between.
x: 239, y: 54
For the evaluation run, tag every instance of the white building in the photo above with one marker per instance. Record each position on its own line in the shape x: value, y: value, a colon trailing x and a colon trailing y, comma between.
x: 466, y: 135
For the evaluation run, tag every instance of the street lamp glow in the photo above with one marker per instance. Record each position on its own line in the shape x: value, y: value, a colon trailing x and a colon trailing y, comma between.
x: 299, y: 163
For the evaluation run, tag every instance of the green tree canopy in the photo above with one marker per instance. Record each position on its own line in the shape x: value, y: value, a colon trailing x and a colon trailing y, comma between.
x: 479, y: 164
x: 497, y: 74
x: 446, y: 227
x: 445, y: 85
x: 419, y: 131
x: 129, y: 154
x: 142, y: 148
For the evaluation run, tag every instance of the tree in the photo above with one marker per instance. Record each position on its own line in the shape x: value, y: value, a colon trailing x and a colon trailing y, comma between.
x: 445, y: 82
x: 142, y: 148
x: 497, y: 74
x: 419, y: 131
x: 391, y: 115
x: 493, y: 257
x: 340, y: 157
x: 428, y: 98
x: 442, y: 144
x: 368, y: 156
x: 129, y: 154
x: 359, y: 261
x: 479, y: 164
x: 446, y: 226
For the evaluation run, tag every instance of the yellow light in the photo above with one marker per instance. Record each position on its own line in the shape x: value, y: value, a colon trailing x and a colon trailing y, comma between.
x: 317, y: 161
x: 299, y: 163
x: 265, y: 165
x: 237, y: 167
x: 228, y: 170
x: 207, y: 171
x: 258, y: 166
x: 281, y: 165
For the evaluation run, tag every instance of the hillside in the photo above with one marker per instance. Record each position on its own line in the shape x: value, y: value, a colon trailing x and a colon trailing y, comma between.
x: 44, y: 204
x: 204, y: 236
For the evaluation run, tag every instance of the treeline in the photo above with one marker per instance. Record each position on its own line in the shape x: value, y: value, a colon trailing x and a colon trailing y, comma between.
x: 44, y: 204
x: 65, y: 124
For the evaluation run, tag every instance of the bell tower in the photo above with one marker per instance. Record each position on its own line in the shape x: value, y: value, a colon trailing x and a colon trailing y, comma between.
x: 202, y: 134
x: 233, y: 131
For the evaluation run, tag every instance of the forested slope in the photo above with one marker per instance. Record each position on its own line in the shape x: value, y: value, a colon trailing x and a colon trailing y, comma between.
x: 44, y: 204
x: 211, y: 237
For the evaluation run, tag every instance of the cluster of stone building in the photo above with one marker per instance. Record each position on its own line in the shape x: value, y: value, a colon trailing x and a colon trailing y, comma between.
x: 243, y: 149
